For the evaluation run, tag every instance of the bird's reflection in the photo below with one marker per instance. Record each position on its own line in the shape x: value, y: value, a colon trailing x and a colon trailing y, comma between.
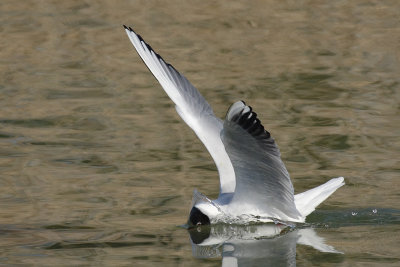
x: 254, y: 245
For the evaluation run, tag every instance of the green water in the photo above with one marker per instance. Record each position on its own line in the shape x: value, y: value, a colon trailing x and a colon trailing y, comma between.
x: 96, y: 167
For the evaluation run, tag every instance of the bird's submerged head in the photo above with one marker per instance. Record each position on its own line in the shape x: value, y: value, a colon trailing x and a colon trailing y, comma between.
x: 203, y: 211
x: 197, y: 217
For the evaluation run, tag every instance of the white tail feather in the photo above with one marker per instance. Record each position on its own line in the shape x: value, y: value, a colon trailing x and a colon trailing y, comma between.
x: 306, y: 202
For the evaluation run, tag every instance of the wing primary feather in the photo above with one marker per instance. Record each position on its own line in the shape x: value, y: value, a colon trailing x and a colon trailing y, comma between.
x: 191, y: 106
x: 247, y: 119
x: 261, y: 176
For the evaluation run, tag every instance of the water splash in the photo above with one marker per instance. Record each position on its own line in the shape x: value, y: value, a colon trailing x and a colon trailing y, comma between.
x: 368, y: 216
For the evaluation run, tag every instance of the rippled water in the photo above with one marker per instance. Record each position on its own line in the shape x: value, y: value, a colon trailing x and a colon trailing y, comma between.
x: 97, y: 168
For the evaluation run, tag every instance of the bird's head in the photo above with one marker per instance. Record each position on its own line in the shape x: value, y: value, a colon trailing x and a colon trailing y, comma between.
x: 203, y: 211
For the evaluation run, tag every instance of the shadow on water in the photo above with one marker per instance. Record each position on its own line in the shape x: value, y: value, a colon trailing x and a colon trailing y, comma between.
x: 275, y: 245
x: 255, y: 245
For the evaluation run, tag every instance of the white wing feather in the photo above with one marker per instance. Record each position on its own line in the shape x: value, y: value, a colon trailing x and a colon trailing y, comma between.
x: 191, y: 106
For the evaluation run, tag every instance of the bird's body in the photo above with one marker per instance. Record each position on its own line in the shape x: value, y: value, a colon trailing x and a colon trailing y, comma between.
x: 254, y: 182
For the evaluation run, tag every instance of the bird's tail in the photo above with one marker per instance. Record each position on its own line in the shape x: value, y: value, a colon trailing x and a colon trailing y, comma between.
x: 306, y: 202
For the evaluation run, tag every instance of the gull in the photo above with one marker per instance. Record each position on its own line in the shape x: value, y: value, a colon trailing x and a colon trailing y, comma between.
x: 254, y: 182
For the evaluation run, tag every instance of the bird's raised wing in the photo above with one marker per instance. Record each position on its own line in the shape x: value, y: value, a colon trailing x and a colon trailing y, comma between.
x: 262, y: 181
x: 191, y: 106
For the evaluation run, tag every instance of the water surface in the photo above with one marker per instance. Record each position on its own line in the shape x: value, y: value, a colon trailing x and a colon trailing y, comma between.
x: 96, y: 167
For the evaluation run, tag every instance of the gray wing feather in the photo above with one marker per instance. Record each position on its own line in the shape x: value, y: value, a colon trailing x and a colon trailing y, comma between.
x: 262, y: 180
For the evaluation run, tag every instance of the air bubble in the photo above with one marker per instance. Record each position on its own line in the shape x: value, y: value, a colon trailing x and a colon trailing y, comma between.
x: 375, y: 211
x: 354, y: 213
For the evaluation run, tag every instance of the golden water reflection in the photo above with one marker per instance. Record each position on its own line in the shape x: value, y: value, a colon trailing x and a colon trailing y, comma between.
x: 97, y: 167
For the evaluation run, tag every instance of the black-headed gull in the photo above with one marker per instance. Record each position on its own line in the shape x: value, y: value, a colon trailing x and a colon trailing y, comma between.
x: 254, y: 182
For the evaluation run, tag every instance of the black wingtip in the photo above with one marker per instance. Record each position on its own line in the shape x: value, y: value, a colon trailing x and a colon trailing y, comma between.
x: 150, y: 48
x: 128, y: 28
x: 246, y: 118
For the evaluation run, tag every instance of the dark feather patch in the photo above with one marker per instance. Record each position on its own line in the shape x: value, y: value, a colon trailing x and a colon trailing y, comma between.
x: 247, y: 119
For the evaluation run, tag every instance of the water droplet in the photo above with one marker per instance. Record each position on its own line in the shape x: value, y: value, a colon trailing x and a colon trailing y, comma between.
x: 353, y: 213
x: 374, y: 210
